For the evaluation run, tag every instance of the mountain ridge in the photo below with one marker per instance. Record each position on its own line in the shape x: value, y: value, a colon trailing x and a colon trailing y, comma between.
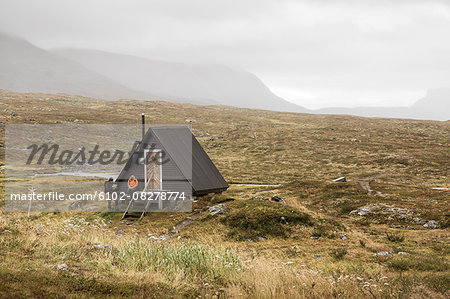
x: 435, y: 105
x: 25, y: 67
x: 212, y: 84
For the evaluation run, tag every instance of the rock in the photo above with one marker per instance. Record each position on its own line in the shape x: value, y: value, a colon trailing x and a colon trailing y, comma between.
x: 75, y: 205
x: 362, y: 211
x: 340, y: 179
x: 431, y: 224
x: 343, y: 236
x: 190, y: 120
x: 61, y: 267
x: 276, y: 198
x: 283, y: 220
x: 217, y: 209
x: 402, y: 253
x: 316, y: 256
x: 260, y: 198
x: 92, y: 208
x: 383, y: 253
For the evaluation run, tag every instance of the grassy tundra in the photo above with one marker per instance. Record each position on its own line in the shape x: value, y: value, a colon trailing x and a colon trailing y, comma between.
x: 330, y: 242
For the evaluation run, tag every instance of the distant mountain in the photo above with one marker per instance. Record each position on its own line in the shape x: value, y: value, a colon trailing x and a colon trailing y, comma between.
x: 435, y: 106
x: 25, y: 67
x: 178, y: 81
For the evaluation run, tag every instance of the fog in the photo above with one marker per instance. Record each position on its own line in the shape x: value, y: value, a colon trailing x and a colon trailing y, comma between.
x: 313, y: 53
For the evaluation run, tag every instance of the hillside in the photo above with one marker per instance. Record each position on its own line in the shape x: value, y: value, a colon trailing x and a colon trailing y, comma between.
x: 206, y: 84
x: 435, y: 105
x: 25, y: 67
x: 382, y: 234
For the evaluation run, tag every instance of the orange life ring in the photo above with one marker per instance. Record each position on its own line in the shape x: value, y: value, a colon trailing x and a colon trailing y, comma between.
x: 132, y: 182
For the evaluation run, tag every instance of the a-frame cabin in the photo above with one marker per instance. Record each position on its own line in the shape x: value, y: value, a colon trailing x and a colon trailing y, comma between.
x: 169, y: 158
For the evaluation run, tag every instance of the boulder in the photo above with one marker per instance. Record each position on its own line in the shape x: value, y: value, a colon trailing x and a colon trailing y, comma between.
x: 432, y: 224
x: 383, y: 253
x: 276, y: 198
x: 340, y: 179
x: 61, y: 267
x: 217, y: 209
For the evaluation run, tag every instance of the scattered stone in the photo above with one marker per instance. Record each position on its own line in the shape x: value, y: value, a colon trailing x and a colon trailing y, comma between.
x: 383, y: 253
x: 343, y: 236
x: 260, y: 198
x: 61, y: 267
x: 340, y: 179
x: 13, y: 114
x: 190, y: 120
x: 315, y: 237
x: 260, y: 238
x: 92, y: 208
x: 276, y: 198
x: 121, y: 231
x: 217, y: 209
x: 362, y: 211
x: 75, y: 205
x: 316, y: 256
x: 283, y: 220
x: 402, y: 253
x: 431, y: 224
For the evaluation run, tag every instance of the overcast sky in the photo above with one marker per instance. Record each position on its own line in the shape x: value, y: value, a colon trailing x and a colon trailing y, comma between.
x: 314, y: 53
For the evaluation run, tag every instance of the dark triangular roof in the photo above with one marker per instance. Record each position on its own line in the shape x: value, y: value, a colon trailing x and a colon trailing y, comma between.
x: 190, y: 158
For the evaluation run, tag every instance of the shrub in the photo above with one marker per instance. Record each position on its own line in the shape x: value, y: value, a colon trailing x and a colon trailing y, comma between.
x: 339, y: 253
x: 256, y: 218
x: 345, y: 207
x: 439, y: 282
x: 404, y: 263
x: 362, y: 243
x: 193, y: 260
x: 395, y: 237
x: 322, y: 231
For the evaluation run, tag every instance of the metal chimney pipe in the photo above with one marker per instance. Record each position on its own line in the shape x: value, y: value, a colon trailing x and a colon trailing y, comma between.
x: 143, y: 126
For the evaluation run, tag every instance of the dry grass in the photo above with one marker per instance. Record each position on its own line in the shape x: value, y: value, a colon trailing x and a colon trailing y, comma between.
x: 401, y: 159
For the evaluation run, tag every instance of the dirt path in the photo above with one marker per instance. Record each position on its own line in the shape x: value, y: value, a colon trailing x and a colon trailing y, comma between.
x: 364, y: 182
x: 177, y: 228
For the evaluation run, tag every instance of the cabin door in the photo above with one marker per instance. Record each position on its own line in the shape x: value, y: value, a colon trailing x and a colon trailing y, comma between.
x: 153, y: 170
